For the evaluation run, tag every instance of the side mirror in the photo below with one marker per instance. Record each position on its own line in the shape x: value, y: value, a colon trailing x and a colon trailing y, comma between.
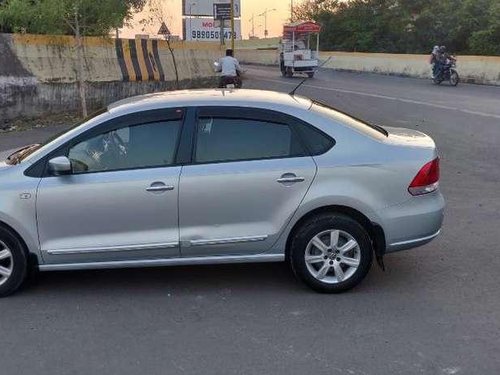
x: 59, y: 166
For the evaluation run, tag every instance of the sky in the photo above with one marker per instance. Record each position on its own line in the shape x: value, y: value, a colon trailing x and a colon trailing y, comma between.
x: 173, y: 13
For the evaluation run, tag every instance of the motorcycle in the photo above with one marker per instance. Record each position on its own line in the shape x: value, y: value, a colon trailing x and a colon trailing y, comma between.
x: 227, y: 82
x: 448, y: 72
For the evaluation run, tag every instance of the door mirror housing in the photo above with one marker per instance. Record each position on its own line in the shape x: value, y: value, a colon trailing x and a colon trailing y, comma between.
x: 59, y: 166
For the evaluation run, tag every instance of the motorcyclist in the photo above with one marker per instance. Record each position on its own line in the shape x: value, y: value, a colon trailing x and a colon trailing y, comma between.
x: 230, y: 69
x: 442, y: 58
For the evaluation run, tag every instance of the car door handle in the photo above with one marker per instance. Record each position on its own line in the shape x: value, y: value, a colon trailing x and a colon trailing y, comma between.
x: 290, y: 179
x: 158, y: 188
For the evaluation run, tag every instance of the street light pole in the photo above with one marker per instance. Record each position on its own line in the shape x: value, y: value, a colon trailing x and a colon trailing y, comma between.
x: 253, y: 24
x: 264, y: 14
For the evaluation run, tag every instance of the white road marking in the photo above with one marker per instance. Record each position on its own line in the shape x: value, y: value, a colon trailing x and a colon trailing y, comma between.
x: 386, y: 97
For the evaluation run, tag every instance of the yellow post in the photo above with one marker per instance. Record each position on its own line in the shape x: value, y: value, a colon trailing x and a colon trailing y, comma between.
x: 232, y: 25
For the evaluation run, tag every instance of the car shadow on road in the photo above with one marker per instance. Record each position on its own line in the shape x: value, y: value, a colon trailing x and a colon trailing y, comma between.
x: 240, y: 278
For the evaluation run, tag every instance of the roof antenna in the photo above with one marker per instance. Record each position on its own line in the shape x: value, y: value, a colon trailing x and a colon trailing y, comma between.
x: 292, y: 93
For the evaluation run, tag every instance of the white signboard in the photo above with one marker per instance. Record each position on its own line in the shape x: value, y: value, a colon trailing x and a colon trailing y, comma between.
x: 208, y: 30
x: 206, y: 7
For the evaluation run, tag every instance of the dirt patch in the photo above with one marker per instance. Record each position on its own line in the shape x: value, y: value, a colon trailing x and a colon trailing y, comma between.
x: 21, y: 124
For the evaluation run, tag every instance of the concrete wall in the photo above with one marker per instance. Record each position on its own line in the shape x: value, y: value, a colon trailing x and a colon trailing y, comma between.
x: 38, y: 72
x: 473, y: 69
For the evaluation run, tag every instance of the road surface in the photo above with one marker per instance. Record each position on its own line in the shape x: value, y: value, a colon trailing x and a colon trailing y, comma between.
x: 436, y: 309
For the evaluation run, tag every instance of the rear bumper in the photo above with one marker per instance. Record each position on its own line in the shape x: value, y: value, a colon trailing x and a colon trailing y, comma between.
x: 304, y: 68
x: 412, y: 223
x: 408, y: 244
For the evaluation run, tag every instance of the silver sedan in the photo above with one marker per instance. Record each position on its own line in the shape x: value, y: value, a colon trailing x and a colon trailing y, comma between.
x: 218, y: 176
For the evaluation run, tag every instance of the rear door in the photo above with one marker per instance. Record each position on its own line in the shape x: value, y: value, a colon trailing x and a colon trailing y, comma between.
x: 248, y: 175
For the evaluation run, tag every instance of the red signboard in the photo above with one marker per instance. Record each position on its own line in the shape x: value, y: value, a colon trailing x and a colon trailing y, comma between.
x: 302, y: 27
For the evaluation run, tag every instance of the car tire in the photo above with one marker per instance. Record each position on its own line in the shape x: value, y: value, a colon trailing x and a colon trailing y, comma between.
x: 13, y: 262
x: 352, y: 265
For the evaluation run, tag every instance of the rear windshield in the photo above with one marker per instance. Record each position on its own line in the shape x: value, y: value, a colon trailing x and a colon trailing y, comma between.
x: 347, y: 119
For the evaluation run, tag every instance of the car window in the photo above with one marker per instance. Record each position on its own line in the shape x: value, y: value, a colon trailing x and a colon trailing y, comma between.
x: 138, y: 146
x: 228, y: 139
x: 316, y: 141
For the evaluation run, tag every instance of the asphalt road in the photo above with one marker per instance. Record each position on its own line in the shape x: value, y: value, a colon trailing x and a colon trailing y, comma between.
x: 436, y: 309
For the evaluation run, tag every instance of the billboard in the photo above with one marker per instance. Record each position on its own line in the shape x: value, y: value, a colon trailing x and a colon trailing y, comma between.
x: 206, y: 7
x: 208, y: 30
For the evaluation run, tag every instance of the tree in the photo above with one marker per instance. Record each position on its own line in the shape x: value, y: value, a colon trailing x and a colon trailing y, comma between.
x: 49, y: 16
x: 313, y: 9
x: 486, y: 40
x: 409, y: 26
x: 158, y: 14
x: 71, y: 17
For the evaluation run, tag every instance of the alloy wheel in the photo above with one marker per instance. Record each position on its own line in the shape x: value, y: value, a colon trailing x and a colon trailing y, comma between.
x: 6, y: 263
x: 332, y: 256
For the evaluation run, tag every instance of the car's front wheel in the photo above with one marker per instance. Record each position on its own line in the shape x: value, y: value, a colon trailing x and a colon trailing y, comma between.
x: 13, y: 262
x: 331, y: 253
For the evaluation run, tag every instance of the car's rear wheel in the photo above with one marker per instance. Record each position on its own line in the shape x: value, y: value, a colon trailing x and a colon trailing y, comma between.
x: 13, y: 263
x: 331, y: 253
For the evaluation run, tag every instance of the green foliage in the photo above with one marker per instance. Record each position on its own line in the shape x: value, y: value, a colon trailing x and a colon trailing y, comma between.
x: 95, y: 17
x: 406, y: 26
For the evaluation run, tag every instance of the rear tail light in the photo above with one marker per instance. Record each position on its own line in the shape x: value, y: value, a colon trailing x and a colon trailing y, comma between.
x: 426, y: 180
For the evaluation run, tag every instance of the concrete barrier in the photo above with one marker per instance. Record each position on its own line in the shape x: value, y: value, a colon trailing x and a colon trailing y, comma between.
x: 38, y: 73
x: 472, y: 69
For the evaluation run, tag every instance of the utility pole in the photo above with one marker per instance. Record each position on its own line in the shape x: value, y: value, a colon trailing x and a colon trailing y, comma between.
x: 253, y: 24
x: 291, y: 10
x: 191, y: 19
x: 232, y: 25
x: 222, y: 24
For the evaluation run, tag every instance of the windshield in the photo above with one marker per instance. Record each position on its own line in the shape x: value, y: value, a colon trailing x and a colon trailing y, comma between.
x: 21, y: 154
x: 346, y: 118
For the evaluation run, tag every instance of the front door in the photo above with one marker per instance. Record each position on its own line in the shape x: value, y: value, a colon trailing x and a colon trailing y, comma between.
x: 120, y: 202
x: 248, y: 177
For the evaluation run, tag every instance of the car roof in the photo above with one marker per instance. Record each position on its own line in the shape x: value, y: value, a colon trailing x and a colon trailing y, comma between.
x: 209, y: 97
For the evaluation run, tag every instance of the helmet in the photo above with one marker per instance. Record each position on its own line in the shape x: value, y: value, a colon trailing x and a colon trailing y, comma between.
x: 442, y: 48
